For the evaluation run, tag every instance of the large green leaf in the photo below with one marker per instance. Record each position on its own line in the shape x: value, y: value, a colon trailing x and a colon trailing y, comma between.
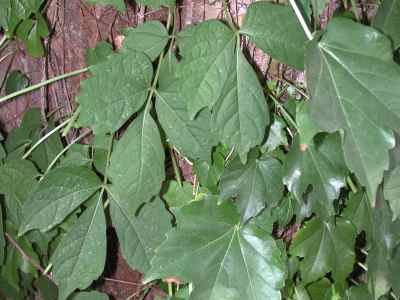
x: 80, y: 257
x: 326, y: 247
x: 17, y: 181
x: 274, y: 28
x: 223, y: 259
x: 150, y: 37
x: 241, y: 114
x: 255, y: 184
x: 58, y: 194
x: 320, y: 165
x: 140, y: 233
x: 392, y: 191
x: 117, y: 89
x: 355, y: 86
x: 118, y: 4
x: 388, y: 20
x: 137, y: 162
x: 208, y: 53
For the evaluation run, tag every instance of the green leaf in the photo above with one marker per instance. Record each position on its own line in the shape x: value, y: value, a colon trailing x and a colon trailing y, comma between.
x: 300, y: 293
x: 2, y: 239
x: 319, y: 6
x: 208, y: 54
x: 157, y: 3
x: 46, y: 288
x: 117, y: 89
x: 320, y: 165
x: 392, y: 191
x: 276, y: 137
x: 321, y: 290
x: 99, y: 54
x: 150, y: 37
x: 80, y: 257
x: 58, y: 194
x: 77, y: 155
x: 178, y: 196
x: 92, y: 295
x: 17, y: 181
x: 140, y: 233
x: 274, y: 28
x: 16, y: 81
x: 358, y: 292
x: 223, y: 259
x: 326, y: 247
x: 137, y: 162
x: 387, y: 20
x: 255, y: 184
x: 360, y: 213
x: 355, y: 86
x: 118, y: 4
x: 394, y: 272
x: 241, y: 114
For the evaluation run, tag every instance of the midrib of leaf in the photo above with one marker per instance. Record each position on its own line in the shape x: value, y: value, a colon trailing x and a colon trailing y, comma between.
x: 247, y: 268
x: 322, y: 178
x: 315, y: 263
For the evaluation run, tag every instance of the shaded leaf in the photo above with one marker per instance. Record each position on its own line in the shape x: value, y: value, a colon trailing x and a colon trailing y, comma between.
x: 348, y: 71
x: 178, y: 196
x: 276, y: 137
x: 16, y: 81
x: 223, y: 259
x: 274, y: 28
x: 387, y: 20
x: 99, y: 54
x: 392, y: 191
x: 80, y: 257
x: 58, y: 194
x: 117, y: 89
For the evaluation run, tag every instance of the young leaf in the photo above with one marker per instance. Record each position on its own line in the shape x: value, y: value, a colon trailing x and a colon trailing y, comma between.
x: 118, y: 4
x: 58, y: 194
x: 320, y: 165
x: 256, y: 183
x: 208, y: 53
x: 392, y: 191
x: 117, y: 89
x: 326, y: 247
x: 140, y: 233
x: 387, y: 20
x: 241, y: 114
x: 79, y: 258
x: 274, y: 28
x: 16, y: 81
x: 150, y: 37
x: 223, y: 259
x: 137, y: 162
x: 355, y: 86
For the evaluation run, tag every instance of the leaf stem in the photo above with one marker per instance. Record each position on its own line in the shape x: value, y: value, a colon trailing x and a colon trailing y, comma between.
x: 45, y: 137
x: 301, y: 19
x: 351, y: 184
x: 105, y: 179
x: 41, y: 84
x: 71, y: 122
x: 175, y: 167
x: 285, y: 114
x: 170, y: 292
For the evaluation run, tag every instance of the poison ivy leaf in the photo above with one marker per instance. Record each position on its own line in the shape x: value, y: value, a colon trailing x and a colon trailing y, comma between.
x: 241, y: 114
x: 208, y: 54
x: 274, y: 28
x: 178, y: 196
x: 257, y: 183
x: 276, y: 136
x: 58, y: 194
x: 118, y: 4
x: 99, y: 54
x: 347, y: 70
x: 150, y: 37
x: 92, y: 295
x: 140, y: 233
x: 117, y: 89
x: 16, y: 81
x: 387, y: 20
x: 223, y: 259
x: 326, y: 247
x: 137, y: 162
x: 320, y: 165
x: 157, y: 3
x: 392, y: 191
x: 80, y: 257
x: 360, y: 213
x: 17, y: 181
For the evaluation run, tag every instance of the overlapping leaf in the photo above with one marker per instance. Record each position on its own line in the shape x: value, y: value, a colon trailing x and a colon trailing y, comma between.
x: 326, y: 247
x: 117, y: 88
x: 392, y: 191
x: 257, y: 183
x: 355, y: 86
x: 80, y: 256
x: 140, y: 233
x: 58, y: 194
x: 137, y: 162
x: 223, y: 259
x: 320, y: 165
x: 388, y: 20
x: 274, y: 28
